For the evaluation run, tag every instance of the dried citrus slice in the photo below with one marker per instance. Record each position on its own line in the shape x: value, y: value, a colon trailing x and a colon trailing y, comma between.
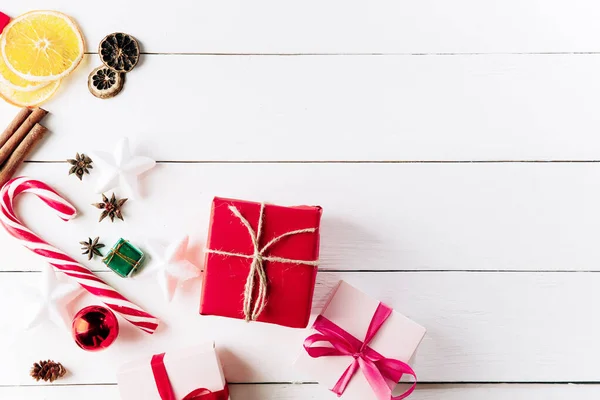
x: 28, y: 99
x: 42, y: 45
x: 15, y: 82
x: 105, y: 82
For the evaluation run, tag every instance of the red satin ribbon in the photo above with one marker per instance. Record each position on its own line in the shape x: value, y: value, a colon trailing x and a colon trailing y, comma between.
x: 165, y: 390
x: 382, y: 373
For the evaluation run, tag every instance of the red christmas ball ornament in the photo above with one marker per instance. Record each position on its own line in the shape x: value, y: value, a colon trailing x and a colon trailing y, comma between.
x: 95, y: 328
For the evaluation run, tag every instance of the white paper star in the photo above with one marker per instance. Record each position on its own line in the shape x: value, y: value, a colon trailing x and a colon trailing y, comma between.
x: 170, y: 265
x: 53, y: 297
x: 121, y: 169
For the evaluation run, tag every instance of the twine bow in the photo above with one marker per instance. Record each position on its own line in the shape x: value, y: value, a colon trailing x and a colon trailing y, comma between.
x: 165, y: 390
x: 257, y: 268
x: 382, y: 373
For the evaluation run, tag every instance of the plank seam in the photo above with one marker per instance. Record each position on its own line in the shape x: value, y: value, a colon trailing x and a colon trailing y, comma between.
x: 349, y: 162
x: 421, y: 384
x: 452, y: 54
x: 402, y: 271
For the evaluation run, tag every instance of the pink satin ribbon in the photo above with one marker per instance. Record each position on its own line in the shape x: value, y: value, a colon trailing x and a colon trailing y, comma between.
x: 165, y: 390
x: 382, y: 373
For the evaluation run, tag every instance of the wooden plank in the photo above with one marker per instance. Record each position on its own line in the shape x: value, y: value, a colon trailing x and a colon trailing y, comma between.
x: 482, y: 327
x: 313, y: 392
x: 381, y: 26
x: 339, y: 108
x: 376, y: 216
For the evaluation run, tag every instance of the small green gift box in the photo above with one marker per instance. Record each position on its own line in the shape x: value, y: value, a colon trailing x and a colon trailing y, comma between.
x: 124, y: 258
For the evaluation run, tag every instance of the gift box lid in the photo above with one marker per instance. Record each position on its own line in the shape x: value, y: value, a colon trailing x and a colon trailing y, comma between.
x: 230, y: 234
x: 353, y: 310
x: 188, y: 369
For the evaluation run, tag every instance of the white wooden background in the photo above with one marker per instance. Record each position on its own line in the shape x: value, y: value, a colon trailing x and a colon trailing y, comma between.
x: 453, y: 145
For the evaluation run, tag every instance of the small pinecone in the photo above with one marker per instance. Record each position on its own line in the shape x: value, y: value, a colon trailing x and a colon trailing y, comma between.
x: 47, y: 371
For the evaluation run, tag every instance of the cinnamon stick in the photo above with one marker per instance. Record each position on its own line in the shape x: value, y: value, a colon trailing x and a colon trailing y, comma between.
x: 13, y: 141
x: 18, y: 156
x: 14, y: 125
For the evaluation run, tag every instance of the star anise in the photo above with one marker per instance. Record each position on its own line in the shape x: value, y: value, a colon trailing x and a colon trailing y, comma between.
x: 112, y: 208
x: 80, y: 165
x: 92, y: 248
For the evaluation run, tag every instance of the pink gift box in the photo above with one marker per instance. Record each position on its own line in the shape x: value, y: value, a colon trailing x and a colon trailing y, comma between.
x: 353, y: 311
x: 189, y: 370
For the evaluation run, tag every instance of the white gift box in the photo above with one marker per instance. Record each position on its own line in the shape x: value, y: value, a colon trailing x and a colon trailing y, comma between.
x: 353, y: 310
x: 188, y: 369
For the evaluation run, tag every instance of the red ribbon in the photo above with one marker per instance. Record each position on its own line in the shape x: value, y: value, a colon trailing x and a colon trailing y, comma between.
x: 163, y: 384
x: 382, y: 373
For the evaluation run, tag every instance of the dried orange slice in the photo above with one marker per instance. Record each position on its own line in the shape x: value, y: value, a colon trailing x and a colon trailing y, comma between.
x: 42, y: 45
x: 15, y: 82
x: 28, y: 99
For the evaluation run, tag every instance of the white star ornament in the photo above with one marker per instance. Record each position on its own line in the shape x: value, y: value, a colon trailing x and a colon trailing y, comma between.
x: 121, y: 169
x: 170, y: 265
x: 53, y: 298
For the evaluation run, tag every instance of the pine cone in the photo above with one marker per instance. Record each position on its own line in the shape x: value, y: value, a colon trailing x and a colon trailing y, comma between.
x: 47, y: 371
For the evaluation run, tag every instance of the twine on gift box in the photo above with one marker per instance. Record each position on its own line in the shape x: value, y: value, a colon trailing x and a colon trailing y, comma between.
x: 258, y: 259
x: 116, y: 252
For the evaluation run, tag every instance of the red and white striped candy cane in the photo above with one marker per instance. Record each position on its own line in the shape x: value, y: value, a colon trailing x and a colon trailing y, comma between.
x: 58, y: 259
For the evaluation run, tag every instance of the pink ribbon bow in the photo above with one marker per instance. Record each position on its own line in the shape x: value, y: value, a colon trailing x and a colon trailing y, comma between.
x: 382, y: 373
x: 165, y: 390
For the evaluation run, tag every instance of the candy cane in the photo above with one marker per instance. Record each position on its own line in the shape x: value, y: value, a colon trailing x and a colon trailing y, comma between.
x: 59, y: 260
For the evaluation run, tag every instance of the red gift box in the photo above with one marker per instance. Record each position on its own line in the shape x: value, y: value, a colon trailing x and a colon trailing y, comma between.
x: 4, y: 20
x: 286, y: 249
